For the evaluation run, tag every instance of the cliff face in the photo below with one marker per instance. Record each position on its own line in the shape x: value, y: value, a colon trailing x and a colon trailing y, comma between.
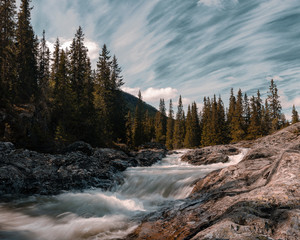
x: 259, y: 198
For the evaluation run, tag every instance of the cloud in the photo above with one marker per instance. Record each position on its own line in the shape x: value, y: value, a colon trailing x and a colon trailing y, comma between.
x: 153, y: 94
x: 288, y: 104
x: 275, y: 78
x: 93, y: 47
x: 216, y: 3
x: 132, y: 91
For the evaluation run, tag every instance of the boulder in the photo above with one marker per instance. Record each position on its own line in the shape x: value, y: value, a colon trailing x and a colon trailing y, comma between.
x: 79, y: 146
x: 6, y: 147
x: 210, y: 155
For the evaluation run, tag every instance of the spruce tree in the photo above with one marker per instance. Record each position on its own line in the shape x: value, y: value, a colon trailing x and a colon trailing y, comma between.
x: 221, y: 131
x: 231, y: 112
x: 160, y: 123
x: 170, y: 127
x: 295, y: 115
x: 266, y: 119
x: 138, y: 130
x: 274, y: 105
x: 7, y: 50
x: 43, y: 70
x: 179, y: 129
x: 246, y: 113
x: 188, y: 141
x: 26, y: 87
x: 236, y: 130
x: 207, y: 125
x: 128, y: 127
x: 255, y: 124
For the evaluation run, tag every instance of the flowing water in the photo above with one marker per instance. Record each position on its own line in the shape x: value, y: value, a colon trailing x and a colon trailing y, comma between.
x: 95, y: 214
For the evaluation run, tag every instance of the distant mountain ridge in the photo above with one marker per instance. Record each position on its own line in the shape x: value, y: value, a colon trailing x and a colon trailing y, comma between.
x: 131, y: 102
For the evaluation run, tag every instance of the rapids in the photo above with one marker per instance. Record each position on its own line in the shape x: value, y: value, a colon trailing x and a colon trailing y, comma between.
x: 95, y: 214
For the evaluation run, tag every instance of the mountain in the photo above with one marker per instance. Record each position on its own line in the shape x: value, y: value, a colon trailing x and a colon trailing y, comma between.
x: 131, y: 102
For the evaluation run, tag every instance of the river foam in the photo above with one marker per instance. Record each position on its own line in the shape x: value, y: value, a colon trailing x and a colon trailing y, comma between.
x: 95, y: 214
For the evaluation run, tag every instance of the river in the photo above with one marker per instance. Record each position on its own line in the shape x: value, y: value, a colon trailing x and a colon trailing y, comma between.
x: 95, y: 214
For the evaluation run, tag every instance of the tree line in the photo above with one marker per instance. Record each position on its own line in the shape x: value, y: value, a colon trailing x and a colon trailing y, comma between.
x: 70, y: 101
x: 244, y: 119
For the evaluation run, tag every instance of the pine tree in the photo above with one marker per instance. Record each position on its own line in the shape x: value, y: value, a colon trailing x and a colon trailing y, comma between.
x: 128, y: 127
x: 54, y: 67
x: 254, y: 127
x: 160, y: 123
x: 237, y: 132
x: 137, y: 131
x: 207, y: 125
x: 221, y: 131
x: 63, y: 99
x: 170, y: 127
x: 188, y: 141
x: 231, y: 112
x: 179, y: 131
x: 295, y: 115
x: 274, y: 105
x: 266, y: 119
x: 246, y: 113
x: 148, y: 127
x: 26, y: 87
x: 7, y: 50
x: 43, y: 70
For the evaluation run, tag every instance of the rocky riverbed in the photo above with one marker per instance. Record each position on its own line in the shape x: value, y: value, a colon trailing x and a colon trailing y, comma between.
x: 24, y: 172
x: 259, y: 198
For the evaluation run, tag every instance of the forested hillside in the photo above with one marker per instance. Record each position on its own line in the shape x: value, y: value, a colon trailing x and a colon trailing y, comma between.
x: 49, y: 99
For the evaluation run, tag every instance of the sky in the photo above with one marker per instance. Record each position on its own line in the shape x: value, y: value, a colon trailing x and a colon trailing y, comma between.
x: 195, y: 48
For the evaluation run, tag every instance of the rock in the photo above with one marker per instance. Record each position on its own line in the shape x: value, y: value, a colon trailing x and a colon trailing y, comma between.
x: 147, y: 157
x: 153, y: 145
x: 209, y: 155
x: 24, y: 172
x: 6, y: 147
x: 79, y: 146
x: 259, y: 198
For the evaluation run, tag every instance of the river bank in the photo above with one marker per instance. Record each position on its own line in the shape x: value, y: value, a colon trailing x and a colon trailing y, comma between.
x: 259, y: 198
x: 24, y: 172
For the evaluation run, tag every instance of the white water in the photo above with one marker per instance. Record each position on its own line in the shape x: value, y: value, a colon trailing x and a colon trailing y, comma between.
x: 95, y: 214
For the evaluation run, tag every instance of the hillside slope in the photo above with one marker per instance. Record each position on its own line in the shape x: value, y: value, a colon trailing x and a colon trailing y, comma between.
x: 259, y: 198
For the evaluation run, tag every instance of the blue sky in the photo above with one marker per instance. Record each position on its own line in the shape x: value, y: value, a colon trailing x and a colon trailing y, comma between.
x: 193, y: 47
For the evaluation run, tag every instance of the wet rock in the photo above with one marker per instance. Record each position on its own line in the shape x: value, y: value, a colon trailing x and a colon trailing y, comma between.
x: 256, y: 199
x: 147, y: 157
x: 6, y: 147
x: 209, y: 155
x: 29, y: 172
x: 79, y: 146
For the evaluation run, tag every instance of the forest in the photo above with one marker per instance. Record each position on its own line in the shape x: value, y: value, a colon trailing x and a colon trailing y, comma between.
x: 54, y: 98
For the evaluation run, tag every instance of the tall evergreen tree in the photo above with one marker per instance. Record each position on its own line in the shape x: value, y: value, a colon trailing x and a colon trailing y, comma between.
x: 246, y: 113
x: 188, y: 141
x: 274, y: 105
x: 295, y: 115
x: 26, y: 87
x: 254, y: 127
x: 137, y: 131
x: 7, y: 50
x: 237, y: 132
x: 266, y: 119
x: 170, y: 127
x: 221, y: 131
x: 128, y: 127
x: 207, y: 134
x: 179, y: 130
x: 43, y: 69
x: 160, y: 123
